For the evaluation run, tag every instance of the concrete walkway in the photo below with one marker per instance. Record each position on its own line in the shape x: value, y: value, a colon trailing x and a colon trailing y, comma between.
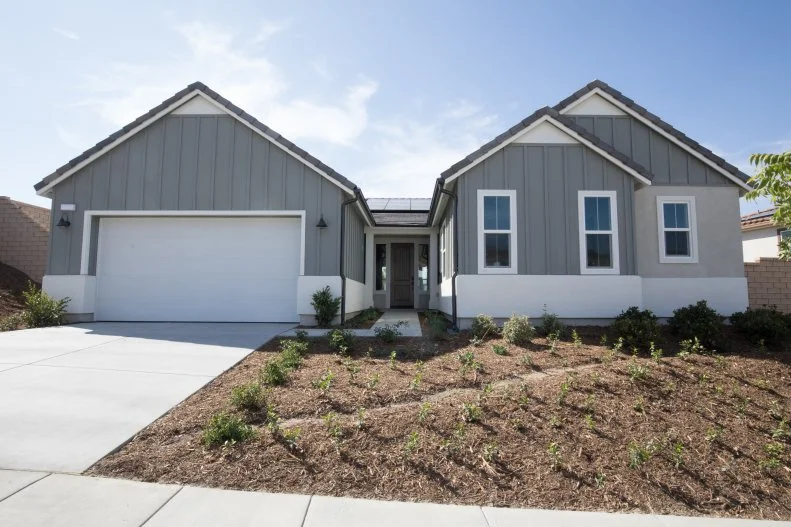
x: 35, y: 499
x: 410, y: 328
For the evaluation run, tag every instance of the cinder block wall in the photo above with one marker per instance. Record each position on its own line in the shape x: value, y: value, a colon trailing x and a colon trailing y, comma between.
x: 769, y: 283
x: 24, y: 237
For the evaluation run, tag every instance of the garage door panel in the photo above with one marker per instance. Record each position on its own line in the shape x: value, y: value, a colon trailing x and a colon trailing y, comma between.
x: 198, y: 269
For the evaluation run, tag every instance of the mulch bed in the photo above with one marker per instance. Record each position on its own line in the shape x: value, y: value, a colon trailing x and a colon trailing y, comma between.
x: 695, y: 429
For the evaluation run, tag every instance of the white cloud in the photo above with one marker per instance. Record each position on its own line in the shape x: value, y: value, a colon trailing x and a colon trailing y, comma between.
x: 65, y: 33
x: 270, y: 29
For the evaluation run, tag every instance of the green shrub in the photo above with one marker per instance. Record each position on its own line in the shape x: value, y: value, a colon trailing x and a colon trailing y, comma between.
x: 41, y: 310
x: 697, y: 320
x: 12, y: 322
x: 637, y: 328
x: 551, y: 325
x: 763, y: 324
x: 517, y: 330
x: 483, y: 327
x: 291, y: 353
x: 274, y: 374
x: 499, y: 349
x: 301, y: 335
x: 325, y: 305
x: 389, y: 332
x: 248, y: 397
x: 341, y: 340
x: 437, y: 325
x: 226, y: 429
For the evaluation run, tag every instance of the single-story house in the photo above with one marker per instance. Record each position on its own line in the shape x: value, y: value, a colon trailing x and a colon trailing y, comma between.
x: 761, y: 236
x: 196, y: 211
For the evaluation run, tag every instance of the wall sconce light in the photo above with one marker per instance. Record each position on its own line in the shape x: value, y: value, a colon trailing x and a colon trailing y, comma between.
x: 321, y: 224
x: 64, y: 221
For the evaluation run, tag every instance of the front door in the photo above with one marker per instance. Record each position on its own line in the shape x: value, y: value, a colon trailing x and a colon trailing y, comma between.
x: 402, y: 285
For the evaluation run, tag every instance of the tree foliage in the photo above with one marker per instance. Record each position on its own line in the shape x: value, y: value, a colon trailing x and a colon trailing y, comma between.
x: 773, y: 181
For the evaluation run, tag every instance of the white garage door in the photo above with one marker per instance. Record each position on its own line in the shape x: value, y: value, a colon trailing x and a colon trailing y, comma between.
x: 198, y: 269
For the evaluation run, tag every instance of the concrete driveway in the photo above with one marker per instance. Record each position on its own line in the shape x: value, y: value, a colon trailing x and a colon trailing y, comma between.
x: 71, y: 394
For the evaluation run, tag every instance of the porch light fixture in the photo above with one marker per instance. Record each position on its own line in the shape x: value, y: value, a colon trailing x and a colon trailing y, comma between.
x: 64, y: 221
x: 321, y: 224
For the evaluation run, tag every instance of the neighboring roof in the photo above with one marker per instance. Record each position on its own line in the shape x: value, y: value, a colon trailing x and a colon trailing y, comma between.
x: 563, y: 120
x: 755, y: 220
x: 400, y: 218
x: 197, y: 86
x: 393, y: 204
x: 705, y: 152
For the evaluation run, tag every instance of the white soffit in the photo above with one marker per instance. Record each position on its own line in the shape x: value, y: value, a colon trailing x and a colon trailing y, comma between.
x: 594, y: 105
x: 197, y: 106
x: 544, y: 133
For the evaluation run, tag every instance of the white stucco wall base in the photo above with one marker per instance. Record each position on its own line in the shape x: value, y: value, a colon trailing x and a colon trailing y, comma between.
x: 356, y: 296
x: 663, y: 295
x: 306, y: 286
x: 445, y: 300
x: 81, y: 289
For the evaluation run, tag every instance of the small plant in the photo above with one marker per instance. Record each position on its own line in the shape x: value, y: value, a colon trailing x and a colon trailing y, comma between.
x: 469, y: 363
x: 575, y: 339
x: 599, y: 479
x: 638, y: 455
x: 373, y: 382
x: 656, y: 353
x: 526, y: 360
x: 437, y: 325
x: 714, y: 433
x: 12, y: 322
x: 589, y: 403
x: 603, y: 339
x: 248, y: 397
x: 639, y: 405
x: 590, y: 422
x: 324, y: 382
x: 392, y: 361
x: 414, y: 384
x: 471, y: 413
x: 554, y: 421
x: 274, y: 374
x: 554, y: 455
x: 291, y: 353
x: 678, y: 454
x: 291, y: 437
x: 499, y: 349
x: 635, y: 327
x: 550, y: 323
x: 359, y: 422
x: 341, y: 340
x: 389, y: 332
x: 41, y: 310
x: 301, y: 335
x: 333, y: 425
x: 483, y: 327
x: 424, y: 412
x: 491, y: 452
x: 518, y: 331
x: 565, y: 387
x: 412, y: 443
x: 763, y: 324
x: 353, y: 367
x: 273, y: 422
x: 637, y: 372
x: 774, y: 452
x: 325, y: 305
x: 697, y: 320
x: 487, y: 390
x: 617, y: 347
x: 691, y: 347
x: 476, y: 342
x: 780, y: 432
x: 226, y: 429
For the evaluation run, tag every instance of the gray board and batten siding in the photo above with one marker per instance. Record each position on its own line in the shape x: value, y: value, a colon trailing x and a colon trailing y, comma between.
x: 201, y: 163
x: 546, y: 179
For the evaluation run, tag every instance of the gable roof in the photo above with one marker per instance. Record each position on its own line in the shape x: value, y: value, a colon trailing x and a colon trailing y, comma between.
x: 759, y: 219
x: 565, y: 124
x: 653, y: 120
x: 169, y: 104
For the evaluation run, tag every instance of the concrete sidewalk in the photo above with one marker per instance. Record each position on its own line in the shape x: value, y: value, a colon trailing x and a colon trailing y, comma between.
x: 38, y: 499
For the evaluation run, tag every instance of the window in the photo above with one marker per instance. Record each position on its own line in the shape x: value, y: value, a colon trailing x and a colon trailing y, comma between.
x: 677, y: 237
x: 422, y: 267
x: 598, y: 225
x: 381, y: 266
x: 497, y: 232
x: 785, y: 235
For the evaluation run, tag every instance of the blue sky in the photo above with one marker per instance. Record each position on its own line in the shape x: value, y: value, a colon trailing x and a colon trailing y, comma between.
x: 387, y: 93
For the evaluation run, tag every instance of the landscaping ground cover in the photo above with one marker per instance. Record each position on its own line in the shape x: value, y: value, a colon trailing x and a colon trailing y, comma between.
x: 559, y: 425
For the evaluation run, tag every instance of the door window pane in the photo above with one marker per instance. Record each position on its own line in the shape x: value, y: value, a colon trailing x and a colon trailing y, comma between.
x: 497, y: 250
x: 422, y: 267
x: 599, y: 250
x: 677, y: 243
x: 381, y: 266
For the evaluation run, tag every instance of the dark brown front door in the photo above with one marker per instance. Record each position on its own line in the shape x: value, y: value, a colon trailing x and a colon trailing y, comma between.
x: 403, y: 282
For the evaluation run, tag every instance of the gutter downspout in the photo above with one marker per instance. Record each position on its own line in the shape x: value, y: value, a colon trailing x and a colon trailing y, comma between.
x: 343, y: 251
x: 452, y: 195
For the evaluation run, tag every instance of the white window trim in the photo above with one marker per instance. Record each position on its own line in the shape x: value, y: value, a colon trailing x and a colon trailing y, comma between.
x: 442, y: 254
x: 513, y: 249
x: 616, y: 256
x: 693, y: 229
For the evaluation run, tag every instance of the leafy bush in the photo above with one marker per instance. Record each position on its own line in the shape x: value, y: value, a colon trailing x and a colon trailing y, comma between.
x: 341, y: 339
x: 517, y: 330
x: 325, y: 305
x: 41, y: 310
x: 301, y: 335
x: 499, y: 349
x: 248, y: 397
x: 483, y: 327
x: 274, y: 374
x: 763, y: 324
x: 697, y: 320
x: 551, y: 325
x: 389, y: 332
x: 226, y: 429
x: 291, y: 353
x: 437, y: 325
x: 12, y: 322
x: 636, y: 328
